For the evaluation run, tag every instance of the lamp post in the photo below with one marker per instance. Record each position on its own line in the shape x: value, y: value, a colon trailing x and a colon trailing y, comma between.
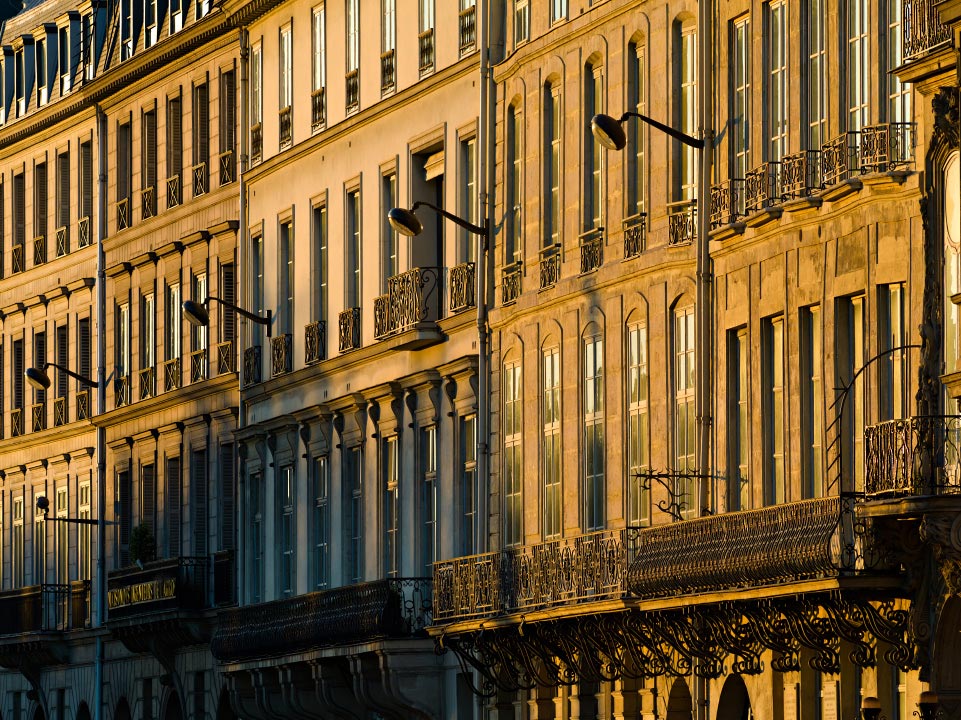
x: 405, y: 222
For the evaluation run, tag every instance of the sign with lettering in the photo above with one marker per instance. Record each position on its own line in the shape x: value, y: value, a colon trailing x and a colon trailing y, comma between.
x: 791, y: 706
x: 829, y: 700
x: 150, y: 591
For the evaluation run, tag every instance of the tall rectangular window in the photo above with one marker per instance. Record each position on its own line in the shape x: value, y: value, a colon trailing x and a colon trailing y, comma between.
x: 321, y: 529
x: 390, y: 265
x: 39, y: 543
x: 198, y: 334
x: 40, y: 360
x: 638, y: 427
x: 40, y: 58
x: 468, y: 484
x: 201, y: 139
x: 85, y: 199
x: 18, y: 368
x: 320, y: 267
x: 353, y: 35
x: 228, y: 126
x: 594, y: 493
x: 62, y: 354
x: 391, y: 508
x: 513, y: 469
x: 558, y: 10
x: 777, y: 60
x: 63, y: 202
x: 228, y: 504
x: 637, y: 157
x: 899, y: 93
x: 773, y: 373
x: 175, y: 151
x: 61, y: 538
x: 894, y: 370
x: 552, y: 462
x: 257, y: 274
x: 815, y: 75
x: 285, y: 523
x: 148, y: 331
x: 593, y: 151
x: 285, y: 305
x: 353, y: 483
x: 148, y: 495
x: 173, y: 502
x: 812, y: 401
x: 685, y: 436
x: 741, y: 98
x: 285, y: 68
x: 198, y: 501
x: 687, y: 110
x: 468, y: 198
x: 849, y: 354
x: 124, y: 175
x: 124, y: 507
x: 552, y: 168
x: 123, y: 340
x: 40, y: 202
x: 514, y: 189
x: 739, y: 421
x: 16, y: 569
x: 148, y: 164
x: 84, y: 350
x: 428, y: 498
x: 173, y: 322
x: 256, y: 514
x: 19, y: 221
x: 522, y: 21
x: 84, y: 536
x: 388, y: 31
x: 858, y: 67
x: 318, y: 66
x: 256, y: 95
x: 353, y: 254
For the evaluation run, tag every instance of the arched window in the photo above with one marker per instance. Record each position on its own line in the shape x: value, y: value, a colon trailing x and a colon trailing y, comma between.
x: 593, y: 152
x: 685, y: 63
x: 637, y: 101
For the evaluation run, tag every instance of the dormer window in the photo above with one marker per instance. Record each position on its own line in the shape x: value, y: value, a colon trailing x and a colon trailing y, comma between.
x: 150, y: 22
x: 20, y: 83
x: 42, y: 92
x: 126, y: 29
x: 63, y: 59
x: 176, y: 16
x: 86, y: 47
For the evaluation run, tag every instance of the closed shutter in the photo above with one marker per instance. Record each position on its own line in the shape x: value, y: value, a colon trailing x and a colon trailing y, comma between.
x: 63, y: 190
x: 228, y: 112
x: 86, y: 179
x: 227, y: 490
x: 175, y: 139
x: 198, y: 502
x: 228, y: 323
x: 40, y: 201
x: 62, y: 360
x: 125, y: 510
x: 18, y: 373
x: 19, y: 209
x: 148, y: 495
x: 150, y: 150
x: 174, y: 500
x: 83, y: 351
x: 201, y: 126
x: 123, y: 163
x: 40, y: 359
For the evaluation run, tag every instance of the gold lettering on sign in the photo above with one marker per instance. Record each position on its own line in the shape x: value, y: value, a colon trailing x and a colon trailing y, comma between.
x: 149, y: 591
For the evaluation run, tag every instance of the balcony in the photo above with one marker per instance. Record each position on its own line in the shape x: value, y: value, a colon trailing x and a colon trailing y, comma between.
x: 38, y: 417
x: 467, y: 26
x: 252, y: 365
x: 256, y: 142
x: 363, y: 613
x: 381, y: 317
x: 60, y: 416
x: 225, y: 357
x: 32, y: 620
x: 681, y: 222
x: 121, y: 390
x: 123, y: 214
x: 387, y: 71
x: 40, y: 250
x: 425, y: 51
x: 63, y: 240
x: 16, y: 422
x: 921, y: 28
x: 352, y: 81
x: 198, y: 365
x: 82, y: 399
x: 84, y: 237
x: 550, y: 266
x: 592, y: 249
x: 727, y: 202
x: 800, y: 174
x: 762, y: 187
x: 227, y: 162
x: 913, y: 456
x: 318, y: 109
x: 839, y: 158
x: 281, y: 354
x: 888, y: 147
x: 285, y: 122
x: 635, y: 235
x: 199, y: 174
x: 461, y: 287
x: 511, y: 283
x: 172, y: 375
x: 315, y: 342
x: 412, y: 302
x: 348, y: 329
x: 148, y: 202
x: 148, y: 382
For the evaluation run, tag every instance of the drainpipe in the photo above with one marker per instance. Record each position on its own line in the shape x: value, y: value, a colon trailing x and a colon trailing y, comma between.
x: 242, y: 334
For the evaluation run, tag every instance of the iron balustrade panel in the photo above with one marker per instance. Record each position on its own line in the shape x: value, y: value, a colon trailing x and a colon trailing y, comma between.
x: 199, y: 173
x: 17, y: 258
x: 800, y: 173
x: 318, y: 109
x: 123, y: 214
x: 198, y: 365
x: 315, y: 342
x: 16, y: 422
x: 252, y: 365
x: 39, y: 250
x: 425, y: 50
x: 392, y: 608
x: 382, y: 323
x: 148, y: 383
x: 681, y: 222
x: 225, y: 357
x: 462, y: 286
x: 727, y: 202
x: 38, y: 417
x: 285, y: 121
x: 352, y: 81
x: 161, y: 585
x: 412, y: 298
x: 62, y: 235
x: 467, y: 29
x: 121, y: 390
x: 511, y: 283
x: 592, y: 249
x: 550, y: 263
x: 148, y: 207
x: 256, y: 142
x: 387, y: 75
x: 888, y: 146
x: 172, y: 374
x: 228, y: 167
x: 83, y: 404
x: 468, y: 587
x: 839, y: 158
x: 174, y: 194
x: 83, y: 232
x: 762, y: 187
x: 45, y: 608
x: 635, y: 235
x: 59, y: 411
x: 919, y: 455
x: 921, y: 28
x: 281, y: 354
x: 767, y: 546
x: 348, y: 329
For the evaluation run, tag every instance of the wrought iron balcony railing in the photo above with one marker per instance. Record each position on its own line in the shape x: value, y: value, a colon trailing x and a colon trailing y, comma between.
x: 174, y: 194
x: 16, y: 422
x: 381, y: 317
x: 172, y: 375
x: 550, y: 264
x: 511, y: 283
x: 252, y: 365
x: 393, y: 608
x: 60, y: 411
x: 198, y: 365
x: 425, y: 54
x: 727, y: 202
x: 888, y: 146
x: 839, y: 158
x: 17, y: 258
x: 38, y: 417
x: 762, y: 187
x: 148, y: 382
x: 387, y: 73
x: 199, y: 173
x: 467, y: 25
x: 227, y: 161
x: 83, y: 232
x: 800, y: 173
x: 256, y: 142
x: 83, y: 404
x: 461, y: 287
x: 225, y: 357
x: 921, y: 28
x: 160, y: 586
x: 148, y: 204
x: 681, y: 222
x: 315, y: 342
x: 285, y: 122
x: 913, y: 456
x: 45, y: 608
x: 412, y: 298
x: 592, y: 249
x: 348, y: 329
x: 318, y: 109
x: 40, y: 250
x: 121, y: 390
x: 63, y: 240
x: 123, y: 214
x: 352, y: 81
x: 635, y: 235
x: 281, y: 354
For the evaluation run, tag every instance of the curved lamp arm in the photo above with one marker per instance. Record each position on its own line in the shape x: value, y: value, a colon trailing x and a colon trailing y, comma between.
x: 676, y: 134
x: 460, y: 222
x: 197, y: 312
x: 240, y: 311
x: 76, y: 376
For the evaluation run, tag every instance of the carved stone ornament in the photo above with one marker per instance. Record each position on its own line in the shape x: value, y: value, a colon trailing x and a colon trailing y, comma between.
x: 946, y: 115
x: 943, y: 532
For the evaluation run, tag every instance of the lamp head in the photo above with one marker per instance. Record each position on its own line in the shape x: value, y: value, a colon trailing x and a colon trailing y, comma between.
x: 43, y: 505
x: 37, y: 378
x: 405, y: 222
x: 196, y: 313
x: 608, y: 132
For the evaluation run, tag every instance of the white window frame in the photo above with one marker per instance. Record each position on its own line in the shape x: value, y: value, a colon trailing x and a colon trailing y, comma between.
x: 638, y: 425
x: 778, y: 79
x: 594, y: 435
x: 513, y: 454
x: 552, y: 459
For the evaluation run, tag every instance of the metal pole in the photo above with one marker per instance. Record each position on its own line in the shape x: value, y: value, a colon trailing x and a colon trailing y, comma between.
x: 240, y: 279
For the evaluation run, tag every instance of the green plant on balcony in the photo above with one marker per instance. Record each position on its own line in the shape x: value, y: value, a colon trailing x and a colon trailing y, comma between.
x: 143, y: 545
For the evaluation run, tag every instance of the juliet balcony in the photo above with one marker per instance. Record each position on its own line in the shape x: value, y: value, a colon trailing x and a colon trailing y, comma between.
x: 922, y: 29
x: 916, y: 456
x: 409, y: 311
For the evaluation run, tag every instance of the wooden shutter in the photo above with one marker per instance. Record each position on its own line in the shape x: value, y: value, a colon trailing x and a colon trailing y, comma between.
x: 227, y: 490
x: 18, y: 373
x: 149, y: 156
x: 62, y: 360
x: 123, y: 164
x: 175, y: 139
x: 125, y: 510
x: 86, y: 179
x: 174, y: 500
x: 40, y: 359
x: 19, y: 209
x: 228, y: 111
x: 63, y: 190
x: 83, y: 351
x: 40, y: 201
x: 201, y: 125
x: 148, y: 495
x: 198, y: 504
x: 228, y: 288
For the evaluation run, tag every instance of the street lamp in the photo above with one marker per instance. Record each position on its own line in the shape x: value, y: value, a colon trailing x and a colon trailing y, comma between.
x: 609, y: 131
x: 407, y: 223
x: 197, y: 313
x: 39, y: 380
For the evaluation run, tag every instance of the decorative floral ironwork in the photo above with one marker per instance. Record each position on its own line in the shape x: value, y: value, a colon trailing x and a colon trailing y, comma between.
x: 922, y: 29
x: 425, y: 54
x: 382, y: 322
x: 318, y: 109
x: 412, y: 298
x: 387, y: 74
x: 171, y: 374
x: 281, y: 354
x: 727, y: 202
x: 839, y: 158
x: 348, y: 329
x: 635, y: 234
x: 762, y: 187
x: 914, y: 456
x: 148, y: 383
x: 225, y: 357
x: 63, y: 240
x: 467, y: 26
x: 887, y: 146
x: 800, y: 173
x: 315, y: 342
x: 252, y: 365
x: 511, y: 283
x: 198, y: 365
x: 681, y: 222
x: 461, y: 287
x: 592, y: 249
x: 550, y: 265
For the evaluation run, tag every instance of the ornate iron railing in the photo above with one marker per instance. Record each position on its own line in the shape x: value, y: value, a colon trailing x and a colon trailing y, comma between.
x: 467, y: 26
x: 174, y: 195
x: 762, y: 187
x: 17, y: 258
x: 392, y: 608
x: 914, y: 456
x: 922, y: 29
x: 198, y: 365
x: 40, y: 250
x: 172, y: 375
x: 348, y: 329
x: 38, y: 417
x: 228, y: 167
x: 425, y: 54
x: 592, y: 249
x: 352, y: 80
x: 412, y: 297
x: 281, y: 354
x: 16, y: 422
x: 148, y: 207
x: 148, y: 382
x: 256, y: 142
x: 83, y: 403
x: 83, y: 231
x: 635, y: 235
x: 199, y: 173
x: 285, y: 121
x: 45, y: 608
x: 800, y: 173
x: 121, y: 390
x: 511, y: 283
x: 387, y: 73
x: 252, y: 365
x: 225, y: 357
x: 888, y: 146
x: 461, y: 281
x: 59, y: 411
x: 175, y: 584
x: 315, y: 342
x: 550, y: 264
x: 382, y: 327
x: 839, y: 158
x: 681, y: 222
x: 318, y: 109
x: 63, y: 240
x: 727, y: 202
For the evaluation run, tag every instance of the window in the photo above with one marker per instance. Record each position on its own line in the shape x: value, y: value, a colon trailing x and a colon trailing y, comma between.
x: 126, y: 29
x: 175, y: 151
x: 150, y: 23
x: 39, y: 542
x: 18, y: 368
x: 148, y: 331
x: 198, y: 333
x: 21, y: 81
x: 353, y: 253
x: 638, y: 426
x: 468, y: 484
x: 513, y: 469
x: 86, y: 194
x: 318, y: 67
x: 894, y: 371
x: 353, y: 35
x: 391, y: 508
x: 816, y: 68
x: 198, y: 501
x: 19, y: 221
x: 522, y: 21
x: 388, y: 31
x: 739, y: 424
x: 123, y: 340
x: 40, y: 206
x: 176, y: 16
x: 428, y: 462
x: 84, y: 534
x: 319, y: 269
x: 321, y: 479
x: 594, y: 153
x: 687, y: 111
x: 201, y: 139
x: 124, y: 500
x: 285, y: 85
x: 173, y: 324
x: 256, y: 102
x: 285, y: 521
x: 389, y: 262
x: 637, y: 101
x: 468, y: 198
x: 426, y: 36
x: 124, y: 175
x: 684, y: 420
x: 84, y: 351
x: 228, y: 126
x: 552, y: 168
x: 849, y: 326
x: 285, y: 321
x: 148, y: 495
x: 228, y: 533
x: 353, y: 482
x: 594, y: 434
x: 39, y: 361
x: 148, y: 164
x: 65, y: 59
x: 777, y: 52
x: 741, y: 98
x: 40, y: 55
x: 858, y: 68
x: 773, y: 351
x: 514, y: 190
x: 812, y: 401
x: 951, y: 230
x: 61, y: 538
x: 552, y: 460
x: 899, y: 93
x: 17, y: 543
x: 256, y: 515
x: 172, y: 506
x: 61, y: 353
x: 558, y: 10
x: 257, y: 274
x: 63, y: 203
